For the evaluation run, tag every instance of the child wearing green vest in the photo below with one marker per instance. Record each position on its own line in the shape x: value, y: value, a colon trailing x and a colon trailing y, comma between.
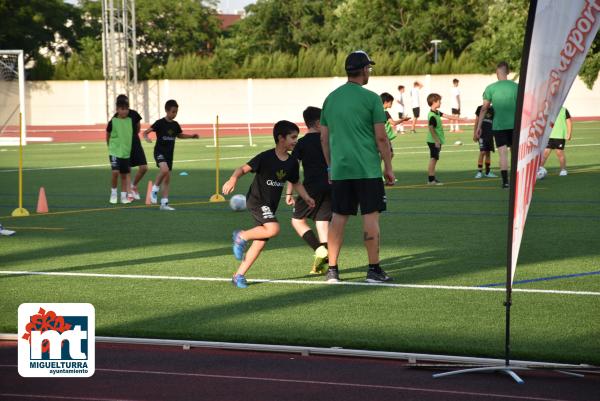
x: 435, y: 135
x: 119, y: 133
x: 561, y: 131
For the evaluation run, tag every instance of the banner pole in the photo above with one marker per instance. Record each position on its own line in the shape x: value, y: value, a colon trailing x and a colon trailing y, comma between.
x: 20, y: 211
x: 217, y: 197
x: 513, y: 172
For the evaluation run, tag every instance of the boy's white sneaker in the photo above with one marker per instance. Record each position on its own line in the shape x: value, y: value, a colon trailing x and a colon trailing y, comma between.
x: 166, y: 207
x: 113, y: 199
x: 563, y: 173
x: 479, y: 174
x: 153, y: 197
x: 125, y: 200
x: 4, y: 231
x: 135, y: 194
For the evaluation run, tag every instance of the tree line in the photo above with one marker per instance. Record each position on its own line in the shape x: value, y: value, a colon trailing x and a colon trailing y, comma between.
x: 277, y: 38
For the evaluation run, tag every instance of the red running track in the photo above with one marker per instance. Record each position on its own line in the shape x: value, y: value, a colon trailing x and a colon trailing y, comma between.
x: 142, y: 372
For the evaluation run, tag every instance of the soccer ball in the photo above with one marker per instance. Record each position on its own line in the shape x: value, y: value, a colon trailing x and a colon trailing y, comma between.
x: 541, y: 173
x: 237, y: 202
x: 458, y: 143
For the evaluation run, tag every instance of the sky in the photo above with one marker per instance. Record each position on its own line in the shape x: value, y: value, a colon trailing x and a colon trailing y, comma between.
x: 226, y: 6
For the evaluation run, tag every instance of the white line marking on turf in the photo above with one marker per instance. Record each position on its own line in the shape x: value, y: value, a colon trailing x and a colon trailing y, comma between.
x: 307, y: 282
x: 309, y: 382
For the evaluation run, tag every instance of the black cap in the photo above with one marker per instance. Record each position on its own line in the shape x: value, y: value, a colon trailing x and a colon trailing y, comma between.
x: 357, y: 60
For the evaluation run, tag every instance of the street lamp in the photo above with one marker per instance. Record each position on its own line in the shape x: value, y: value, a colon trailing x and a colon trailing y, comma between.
x: 435, y: 42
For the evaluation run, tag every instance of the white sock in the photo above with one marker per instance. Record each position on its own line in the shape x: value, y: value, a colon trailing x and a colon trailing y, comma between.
x: 113, y: 191
x: 164, y: 201
x: 123, y: 195
x: 155, y: 188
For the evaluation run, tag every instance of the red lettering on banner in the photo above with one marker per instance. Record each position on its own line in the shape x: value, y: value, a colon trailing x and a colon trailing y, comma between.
x: 576, y: 40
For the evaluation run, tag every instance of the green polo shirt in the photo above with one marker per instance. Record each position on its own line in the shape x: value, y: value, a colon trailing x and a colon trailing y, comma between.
x: 503, y: 96
x: 349, y: 113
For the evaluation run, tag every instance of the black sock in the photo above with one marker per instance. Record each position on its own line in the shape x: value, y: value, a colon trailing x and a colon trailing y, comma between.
x: 374, y: 267
x: 487, y: 168
x: 311, y: 239
x: 504, y: 176
x: 333, y: 267
x: 324, y: 244
x: 479, y: 167
x: 431, y: 178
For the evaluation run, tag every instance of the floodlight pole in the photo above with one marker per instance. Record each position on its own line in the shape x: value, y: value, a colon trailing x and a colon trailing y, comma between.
x: 435, y: 43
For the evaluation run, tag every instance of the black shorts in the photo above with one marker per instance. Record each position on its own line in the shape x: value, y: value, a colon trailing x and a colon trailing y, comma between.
x: 401, y: 115
x: 434, y: 151
x: 262, y: 214
x: 486, y: 143
x: 416, y: 112
x: 347, y: 195
x: 163, y: 157
x: 456, y: 111
x: 503, y: 137
x: 118, y: 164
x: 554, y: 143
x: 321, y: 211
x: 138, y: 157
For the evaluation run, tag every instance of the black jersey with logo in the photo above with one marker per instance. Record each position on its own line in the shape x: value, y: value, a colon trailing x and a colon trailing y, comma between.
x: 309, y: 151
x: 271, y: 176
x: 486, y: 125
x: 166, y: 133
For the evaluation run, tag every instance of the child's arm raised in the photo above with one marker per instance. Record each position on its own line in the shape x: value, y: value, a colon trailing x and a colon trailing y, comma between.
x: 187, y: 136
x: 229, y: 186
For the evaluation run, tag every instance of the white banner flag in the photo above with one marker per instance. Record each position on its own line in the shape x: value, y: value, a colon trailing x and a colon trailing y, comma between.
x: 562, y: 34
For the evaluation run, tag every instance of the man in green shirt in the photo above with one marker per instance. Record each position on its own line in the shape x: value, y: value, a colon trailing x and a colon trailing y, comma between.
x: 354, y: 143
x: 560, y: 132
x: 503, y: 96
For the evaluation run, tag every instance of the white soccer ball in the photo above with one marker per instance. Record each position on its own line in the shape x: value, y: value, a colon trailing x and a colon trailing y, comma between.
x: 237, y: 202
x: 541, y: 173
x: 458, y: 143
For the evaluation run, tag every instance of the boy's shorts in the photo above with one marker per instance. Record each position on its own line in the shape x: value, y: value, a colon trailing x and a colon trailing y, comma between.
x: 118, y: 164
x: 401, y: 115
x: 434, y: 152
x: 262, y: 214
x: 486, y: 143
x: 138, y: 157
x: 416, y: 112
x: 554, y: 143
x: 456, y: 111
x: 347, y: 195
x: 503, y: 137
x: 321, y: 211
x: 162, y: 157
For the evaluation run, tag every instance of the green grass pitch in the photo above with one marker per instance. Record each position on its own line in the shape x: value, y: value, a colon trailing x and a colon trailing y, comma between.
x: 453, y: 235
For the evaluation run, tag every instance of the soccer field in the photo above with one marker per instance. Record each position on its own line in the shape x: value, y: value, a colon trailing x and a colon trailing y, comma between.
x: 166, y: 274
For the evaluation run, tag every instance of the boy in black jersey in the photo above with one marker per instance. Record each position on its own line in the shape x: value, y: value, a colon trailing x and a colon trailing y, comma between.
x: 167, y: 130
x: 486, y: 142
x: 272, y: 168
x: 309, y: 151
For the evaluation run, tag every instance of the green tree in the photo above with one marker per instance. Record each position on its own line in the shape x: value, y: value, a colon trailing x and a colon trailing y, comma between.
x: 33, y: 24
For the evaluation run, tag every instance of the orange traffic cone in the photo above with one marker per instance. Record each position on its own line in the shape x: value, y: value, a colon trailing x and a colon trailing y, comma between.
x: 148, y: 193
x: 42, y: 206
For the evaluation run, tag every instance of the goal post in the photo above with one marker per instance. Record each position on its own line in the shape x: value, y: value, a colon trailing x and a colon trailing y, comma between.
x: 13, y: 130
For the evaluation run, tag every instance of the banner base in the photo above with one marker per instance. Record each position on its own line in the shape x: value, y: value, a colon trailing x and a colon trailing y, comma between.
x: 507, y: 369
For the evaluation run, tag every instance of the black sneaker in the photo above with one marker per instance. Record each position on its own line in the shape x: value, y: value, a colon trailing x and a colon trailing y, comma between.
x: 505, y: 185
x: 332, y: 276
x: 377, y: 276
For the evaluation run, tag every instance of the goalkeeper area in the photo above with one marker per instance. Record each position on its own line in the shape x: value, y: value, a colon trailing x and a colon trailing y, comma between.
x: 12, y: 97
x: 167, y: 275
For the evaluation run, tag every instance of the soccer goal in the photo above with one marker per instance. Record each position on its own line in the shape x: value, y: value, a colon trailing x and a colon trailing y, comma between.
x: 12, y: 98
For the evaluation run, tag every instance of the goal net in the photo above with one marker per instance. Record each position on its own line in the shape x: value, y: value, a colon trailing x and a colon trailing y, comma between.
x: 12, y: 97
